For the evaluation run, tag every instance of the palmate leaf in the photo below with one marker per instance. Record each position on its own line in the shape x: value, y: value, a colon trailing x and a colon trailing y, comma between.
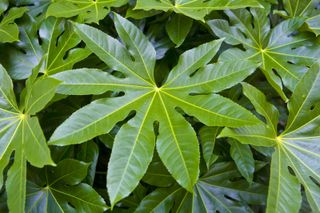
x: 87, y: 11
x: 20, y: 132
x: 308, y: 9
x: 134, y: 144
x: 57, y: 51
x: 213, y: 192
x: 195, y: 9
x: 297, y: 147
x: 281, y: 51
x: 59, y: 189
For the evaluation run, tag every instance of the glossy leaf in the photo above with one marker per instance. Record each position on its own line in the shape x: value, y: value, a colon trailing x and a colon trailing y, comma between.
x: 280, y: 50
x: 41, y: 92
x: 63, y: 190
x: 178, y: 28
x: 213, y: 192
x: 177, y: 142
x: 22, y: 135
x: 243, y: 158
x: 297, y: 147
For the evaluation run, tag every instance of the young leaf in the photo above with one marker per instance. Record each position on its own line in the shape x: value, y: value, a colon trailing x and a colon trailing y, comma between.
x: 279, y: 50
x: 60, y: 189
x: 9, y: 31
x: 177, y: 142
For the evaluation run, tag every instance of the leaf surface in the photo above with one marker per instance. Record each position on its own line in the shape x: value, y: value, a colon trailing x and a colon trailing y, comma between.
x: 21, y: 134
x: 152, y: 104
x: 86, y: 11
x: 279, y: 50
x: 296, y: 147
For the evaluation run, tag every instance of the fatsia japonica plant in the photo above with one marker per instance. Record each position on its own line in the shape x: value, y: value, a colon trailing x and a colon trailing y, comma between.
x: 159, y: 106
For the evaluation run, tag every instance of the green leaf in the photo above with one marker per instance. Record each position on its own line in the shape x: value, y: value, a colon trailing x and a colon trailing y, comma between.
x: 279, y: 50
x: 157, y: 174
x: 195, y: 9
x: 50, y: 43
x: 243, y: 158
x: 216, y: 192
x: 178, y: 28
x: 307, y: 9
x: 39, y: 95
x: 208, y: 137
x: 285, y: 187
x: 89, y: 152
x: 124, y: 175
x: 160, y: 200
x: 9, y: 31
x: 263, y: 134
x: 61, y: 55
x: 296, y: 147
x: 21, y: 134
x: 176, y: 143
x: 60, y: 189
x: 86, y: 11
x: 138, y: 45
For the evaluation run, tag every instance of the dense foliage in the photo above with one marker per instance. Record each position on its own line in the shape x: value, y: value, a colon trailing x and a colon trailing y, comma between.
x: 160, y: 106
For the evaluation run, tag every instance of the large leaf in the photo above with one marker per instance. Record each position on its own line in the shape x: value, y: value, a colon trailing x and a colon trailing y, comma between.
x: 59, y: 189
x: 9, y: 31
x: 86, y: 10
x: 133, y: 147
x: 213, y: 192
x: 297, y: 147
x: 196, y: 9
x: 20, y: 133
x: 281, y: 50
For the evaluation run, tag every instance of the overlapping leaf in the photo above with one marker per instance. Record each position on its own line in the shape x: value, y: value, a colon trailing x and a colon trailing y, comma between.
x: 213, y: 192
x: 52, y: 42
x: 196, y: 9
x: 308, y: 9
x: 282, y: 51
x: 59, y: 189
x: 21, y: 133
x: 9, y: 31
x: 133, y: 147
x: 86, y: 10
x: 297, y: 147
